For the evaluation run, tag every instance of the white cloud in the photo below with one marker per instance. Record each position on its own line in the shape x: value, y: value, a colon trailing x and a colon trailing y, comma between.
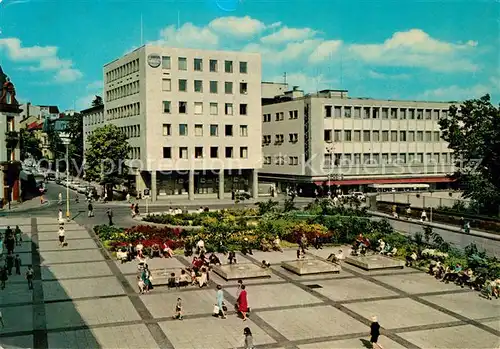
x: 377, y: 75
x: 305, y: 82
x: 325, y: 50
x: 238, y: 26
x: 415, y: 48
x: 45, y: 58
x: 287, y: 34
x: 459, y: 93
x: 84, y: 102
x: 189, y: 36
x: 291, y: 51
x: 95, y: 85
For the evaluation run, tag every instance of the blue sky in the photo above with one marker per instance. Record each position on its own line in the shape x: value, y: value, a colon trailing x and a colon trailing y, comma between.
x: 433, y: 50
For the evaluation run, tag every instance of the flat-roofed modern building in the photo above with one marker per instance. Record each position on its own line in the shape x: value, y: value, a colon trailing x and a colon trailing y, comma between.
x: 330, y: 139
x: 193, y: 118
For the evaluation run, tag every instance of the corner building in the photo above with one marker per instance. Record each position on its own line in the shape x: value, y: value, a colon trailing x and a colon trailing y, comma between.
x: 330, y: 141
x: 193, y: 118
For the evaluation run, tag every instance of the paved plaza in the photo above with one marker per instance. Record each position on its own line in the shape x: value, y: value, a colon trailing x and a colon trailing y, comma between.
x: 84, y: 299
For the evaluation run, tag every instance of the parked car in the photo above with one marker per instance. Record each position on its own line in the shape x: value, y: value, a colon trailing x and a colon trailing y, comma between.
x: 82, y: 189
x: 359, y: 195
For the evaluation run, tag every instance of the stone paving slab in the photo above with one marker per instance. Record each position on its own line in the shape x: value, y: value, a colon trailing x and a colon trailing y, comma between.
x: 351, y: 289
x: 342, y: 274
x: 16, y: 342
x: 280, y: 295
x: 155, y: 263
x: 275, y: 258
x: 26, y: 258
x: 396, y: 313
x: 16, y: 293
x: 313, y: 322
x: 74, y: 289
x: 241, y: 271
x: 25, y: 247
x: 70, y: 228
x: 90, y: 312
x: 70, y: 235
x: 17, y: 319
x: 212, y: 333
x: 80, y: 244
x: 353, y: 344
x: 195, y: 302
x: 130, y: 336
x: 233, y: 283
x: 77, y: 270
x: 495, y: 324
x: 457, y: 337
x: 67, y: 256
x: 374, y: 262
x: 467, y: 304
x: 311, y: 267
x: 416, y: 283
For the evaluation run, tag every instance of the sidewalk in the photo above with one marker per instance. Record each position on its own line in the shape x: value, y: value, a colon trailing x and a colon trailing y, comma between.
x: 25, y: 206
x: 477, y: 233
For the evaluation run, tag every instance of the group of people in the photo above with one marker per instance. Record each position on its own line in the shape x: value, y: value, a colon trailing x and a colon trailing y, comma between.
x: 140, y: 252
x: 10, y: 241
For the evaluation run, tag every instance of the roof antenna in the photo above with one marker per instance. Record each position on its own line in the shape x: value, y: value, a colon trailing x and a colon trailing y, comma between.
x: 284, y: 78
x: 142, y: 32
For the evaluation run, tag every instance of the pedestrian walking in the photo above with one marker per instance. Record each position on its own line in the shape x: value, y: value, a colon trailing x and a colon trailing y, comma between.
x: 10, y: 242
x: 61, y: 236
x: 136, y: 209
x: 178, y: 310
x: 243, y: 303
x: 248, y: 338
x: 3, y: 277
x: 91, y: 209
x: 109, y: 213
x: 128, y: 197
x: 1, y: 319
x: 423, y: 216
x: 60, y: 217
x: 9, y: 261
x: 18, y: 235
x: 29, y: 277
x: 59, y: 199
x: 220, y: 303
x: 375, y: 333
x: 17, y: 264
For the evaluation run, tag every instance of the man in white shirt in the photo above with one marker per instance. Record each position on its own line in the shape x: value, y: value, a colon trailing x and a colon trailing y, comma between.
x: 200, y: 247
x: 61, y: 236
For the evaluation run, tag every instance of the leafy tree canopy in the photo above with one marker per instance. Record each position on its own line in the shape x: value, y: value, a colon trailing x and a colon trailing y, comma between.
x: 97, y: 101
x: 107, y: 151
x: 30, y: 145
x: 75, y: 130
x: 473, y: 133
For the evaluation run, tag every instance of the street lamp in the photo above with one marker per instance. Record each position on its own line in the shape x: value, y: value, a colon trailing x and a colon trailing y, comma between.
x: 66, y: 141
x: 329, y: 150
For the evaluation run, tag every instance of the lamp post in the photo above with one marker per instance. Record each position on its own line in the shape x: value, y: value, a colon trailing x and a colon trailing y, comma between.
x: 329, y: 150
x: 66, y: 140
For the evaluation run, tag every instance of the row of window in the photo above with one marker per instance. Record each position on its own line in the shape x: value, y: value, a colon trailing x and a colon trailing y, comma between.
x: 280, y: 138
x: 280, y: 160
x: 182, y: 86
x: 280, y: 116
x: 199, y: 153
x: 182, y: 108
x: 125, y: 111
x: 375, y: 136
x: 183, y: 130
x: 93, y: 119
x: 135, y: 153
x: 383, y: 113
x: 212, y: 65
x: 131, y: 131
x: 122, y: 91
x: 124, y: 70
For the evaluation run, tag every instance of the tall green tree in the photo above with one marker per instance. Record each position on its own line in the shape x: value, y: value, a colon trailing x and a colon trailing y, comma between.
x: 473, y: 133
x: 29, y: 145
x: 105, y: 157
x: 97, y: 101
x: 75, y: 131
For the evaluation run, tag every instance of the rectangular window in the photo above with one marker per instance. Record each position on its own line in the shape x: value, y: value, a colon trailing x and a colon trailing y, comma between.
x: 428, y: 114
x: 243, y: 152
x: 385, y: 113
x: 385, y: 159
x: 328, y: 111
x: 165, y: 62
x: 428, y: 136
x: 213, y: 87
x: 229, y: 152
x: 198, y: 64
x: 243, y: 109
x: 347, y: 112
x: 243, y: 88
x: 183, y: 129
x: 182, y: 63
x: 411, y: 136
x: 411, y: 159
x: 402, y: 136
x: 198, y: 108
x: 243, y: 67
x: 376, y: 136
x: 214, y: 108
x: 436, y: 158
x: 182, y: 107
x: 327, y: 135
x: 243, y: 131
x: 402, y: 114
x: 367, y: 113
x: 166, y: 85
x: 437, y: 136
x: 357, y: 136
x: 357, y: 112
x: 214, y: 130
x: 420, y: 114
x: 338, y: 112
x: 167, y: 152
x: 411, y: 114
x: 228, y: 87
x: 420, y: 136
x: 167, y: 129
x: 394, y: 113
x: 167, y: 107
x: 198, y: 152
x: 182, y: 85
x: 183, y: 153
x: 444, y: 158
x: 213, y: 65
x: 385, y: 136
x: 337, y: 136
x: 198, y: 130
x: 347, y: 135
x: 402, y: 158
x: 214, y: 152
x: 198, y: 86
x: 228, y: 109
x: 436, y: 114
x: 394, y: 158
x: 228, y: 130
x: 228, y: 66
x: 420, y: 158
x: 366, y: 136
x: 357, y: 159
x: 375, y: 113
x: 394, y: 136
x: 367, y: 159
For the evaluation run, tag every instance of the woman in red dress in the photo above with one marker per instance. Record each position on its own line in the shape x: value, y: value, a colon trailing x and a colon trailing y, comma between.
x: 243, y: 303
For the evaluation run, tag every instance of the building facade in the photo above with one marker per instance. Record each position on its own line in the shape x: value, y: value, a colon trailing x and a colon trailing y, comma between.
x: 33, y: 118
x: 93, y: 118
x: 192, y: 117
x: 329, y: 139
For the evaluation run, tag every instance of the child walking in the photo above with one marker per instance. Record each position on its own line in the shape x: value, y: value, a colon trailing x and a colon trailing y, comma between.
x: 178, y: 310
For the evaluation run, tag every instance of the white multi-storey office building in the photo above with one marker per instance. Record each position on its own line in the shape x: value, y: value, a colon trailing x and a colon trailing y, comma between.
x: 193, y: 117
x: 328, y: 138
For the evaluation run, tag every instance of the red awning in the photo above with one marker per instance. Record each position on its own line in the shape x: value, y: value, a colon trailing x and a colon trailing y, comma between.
x: 387, y: 181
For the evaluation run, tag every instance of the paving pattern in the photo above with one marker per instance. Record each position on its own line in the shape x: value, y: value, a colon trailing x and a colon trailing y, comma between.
x: 84, y: 299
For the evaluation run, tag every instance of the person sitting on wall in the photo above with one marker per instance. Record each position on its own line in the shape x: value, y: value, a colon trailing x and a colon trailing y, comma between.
x: 167, y: 251
x: 277, y: 244
x: 245, y: 247
x: 214, y: 260
x: 231, y: 258
x: 265, y: 246
x: 265, y: 264
x: 155, y: 251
